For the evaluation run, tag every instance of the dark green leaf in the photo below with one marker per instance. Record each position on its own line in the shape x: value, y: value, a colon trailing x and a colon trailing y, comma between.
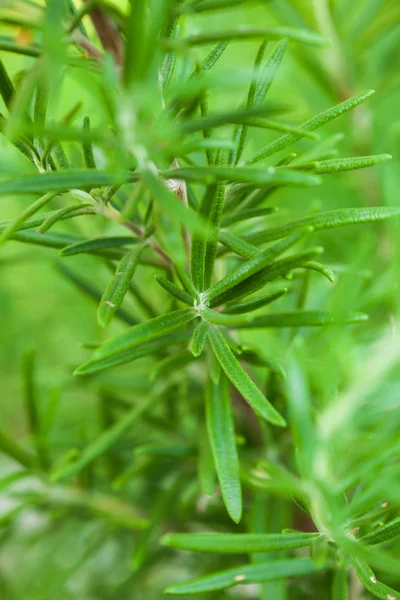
x: 221, y: 433
x: 238, y: 543
x: 174, y: 290
x: 116, y: 290
x: 268, y: 571
x: 239, y: 378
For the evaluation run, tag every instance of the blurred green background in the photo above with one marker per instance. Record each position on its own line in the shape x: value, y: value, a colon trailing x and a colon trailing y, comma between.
x: 40, y: 310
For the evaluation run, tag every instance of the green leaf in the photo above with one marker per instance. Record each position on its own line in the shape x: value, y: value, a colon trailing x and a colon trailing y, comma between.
x: 88, y: 155
x: 60, y: 182
x: 199, y: 337
x: 257, y: 303
x: 257, y: 177
x: 239, y: 378
x: 337, y: 165
x: 116, y: 290
x: 238, y: 543
x: 369, y: 581
x: 258, y: 573
x: 387, y: 532
x: 174, y: 290
x: 310, y: 125
x: 242, y: 133
x: 237, y: 245
x: 103, y: 364
x: 252, y: 266
x: 213, y: 217
x: 312, y: 265
x: 105, y: 440
x: 304, y: 319
x: 270, y: 70
x: 274, y: 270
x: 212, y: 57
x: 94, y: 245
x: 17, y: 224
x: 205, y: 466
x: 340, y: 586
x: 327, y: 220
x: 221, y: 433
x: 60, y: 215
x: 145, y: 332
x: 247, y: 33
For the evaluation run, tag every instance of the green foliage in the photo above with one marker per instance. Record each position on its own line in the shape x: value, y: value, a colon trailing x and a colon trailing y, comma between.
x: 200, y: 425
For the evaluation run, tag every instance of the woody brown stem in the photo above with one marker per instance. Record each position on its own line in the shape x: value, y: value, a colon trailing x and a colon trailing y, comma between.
x: 108, y: 34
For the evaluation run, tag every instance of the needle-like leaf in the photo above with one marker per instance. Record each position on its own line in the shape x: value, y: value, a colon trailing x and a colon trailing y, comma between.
x: 174, y: 290
x: 252, y: 266
x: 116, y: 290
x: 199, y: 337
x: 258, y: 573
x: 238, y: 543
x: 327, y: 220
x: 145, y: 332
x: 311, y: 125
x: 221, y: 433
x: 239, y: 378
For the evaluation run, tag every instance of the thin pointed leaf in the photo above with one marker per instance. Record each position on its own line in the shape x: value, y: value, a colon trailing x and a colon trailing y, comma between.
x: 250, y: 98
x: 259, y: 177
x: 116, y: 290
x: 304, y: 319
x: 88, y: 155
x: 95, y: 245
x: 213, y: 218
x: 239, y: 378
x: 59, y: 215
x: 256, y: 304
x: 18, y: 223
x: 310, y: 125
x: 387, y: 532
x: 312, y: 265
x: 60, y: 182
x: 275, y: 270
x: 221, y: 433
x: 338, y: 165
x: 174, y: 290
x: 103, y: 364
x: 340, y: 585
x: 252, y: 266
x: 199, y: 337
x: 369, y: 581
x: 247, y: 33
x: 269, y: 72
x: 327, y: 220
x: 145, y: 332
x: 237, y: 245
x: 258, y: 573
x: 238, y: 543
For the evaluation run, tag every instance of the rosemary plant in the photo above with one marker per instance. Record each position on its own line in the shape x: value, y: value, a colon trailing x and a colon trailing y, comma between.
x: 154, y: 184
